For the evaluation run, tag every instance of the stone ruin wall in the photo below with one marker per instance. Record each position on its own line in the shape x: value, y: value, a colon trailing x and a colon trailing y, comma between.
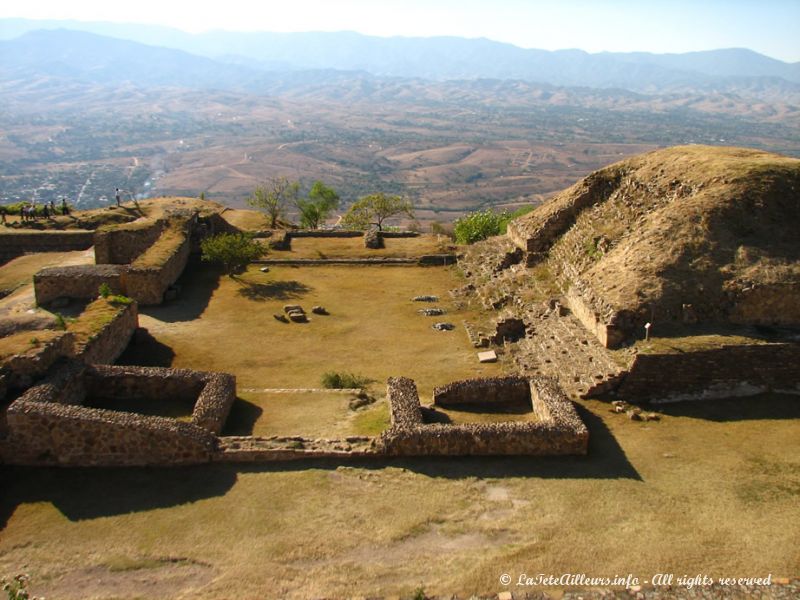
x: 122, y: 244
x: 14, y: 244
x: 719, y: 373
x: 140, y: 280
x: 513, y: 389
x: 108, y: 344
x: 214, y: 393
x: 559, y: 430
x: 49, y: 426
x: 147, y: 284
x: 21, y: 370
x: 78, y: 281
x: 536, y: 237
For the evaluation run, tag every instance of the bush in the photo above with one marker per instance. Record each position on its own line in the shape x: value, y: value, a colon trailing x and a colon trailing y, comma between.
x: 119, y: 299
x: 477, y: 226
x: 105, y: 290
x: 337, y: 381
x: 233, y: 250
x: 17, y: 588
x: 480, y: 225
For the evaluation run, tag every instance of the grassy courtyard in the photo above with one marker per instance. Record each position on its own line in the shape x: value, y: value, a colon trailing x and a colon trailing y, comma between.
x: 373, y: 329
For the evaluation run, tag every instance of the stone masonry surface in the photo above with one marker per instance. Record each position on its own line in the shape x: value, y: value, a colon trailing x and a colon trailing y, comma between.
x: 559, y: 429
x: 48, y: 424
x: 78, y: 281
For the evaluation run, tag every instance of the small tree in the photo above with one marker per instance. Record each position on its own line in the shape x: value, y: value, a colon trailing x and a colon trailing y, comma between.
x: 321, y: 201
x: 478, y: 226
x: 233, y: 250
x: 375, y: 209
x: 274, y: 196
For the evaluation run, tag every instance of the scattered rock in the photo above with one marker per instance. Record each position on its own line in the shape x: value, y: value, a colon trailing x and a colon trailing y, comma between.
x: 264, y: 269
x: 319, y: 310
x: 509, y: 329
x: 293, y: 308
x: 425, y: 298
x: 489, y: 356
x: 362, y: 399
x: 298, y: 316
x: 281, y: 318
x: 651, y: 416
x: 444, y: 326
x: 431, y: 312
x: 634, y: 414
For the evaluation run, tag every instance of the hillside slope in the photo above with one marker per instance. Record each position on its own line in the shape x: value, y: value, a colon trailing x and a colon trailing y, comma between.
x: 690, y: 234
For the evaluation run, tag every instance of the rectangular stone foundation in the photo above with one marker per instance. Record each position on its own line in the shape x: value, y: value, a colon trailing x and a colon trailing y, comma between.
x: 558, y: 430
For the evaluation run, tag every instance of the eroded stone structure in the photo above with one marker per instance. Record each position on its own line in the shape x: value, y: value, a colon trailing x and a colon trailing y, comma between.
x: 141, y: 259
x: 558, y: 429
x: 51, y: 424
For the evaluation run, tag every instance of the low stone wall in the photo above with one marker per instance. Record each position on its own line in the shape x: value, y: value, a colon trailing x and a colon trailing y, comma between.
x: 16, y: 243
x: 514, y: 389
x: 110, y: 340
x: 122, y: 244
x: 399, y: 234
x: 404, y: 409
x: 78, y: 281
x: 324, y: 233
x: 22, y: 369
x: 48, y: 433
x: 49, y: 426
x: 146, y: 282
x: 559, y: 429
x: 718, y: 373
x: 214, y: 393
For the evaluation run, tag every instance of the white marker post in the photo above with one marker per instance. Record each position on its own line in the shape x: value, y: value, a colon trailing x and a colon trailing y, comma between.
x: 647, y: 327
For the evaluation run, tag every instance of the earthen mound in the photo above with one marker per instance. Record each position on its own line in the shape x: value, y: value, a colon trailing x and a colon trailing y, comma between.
x: 691, y: 234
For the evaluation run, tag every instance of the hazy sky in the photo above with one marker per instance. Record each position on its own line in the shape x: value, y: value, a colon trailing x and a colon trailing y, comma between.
x: 767, y: 26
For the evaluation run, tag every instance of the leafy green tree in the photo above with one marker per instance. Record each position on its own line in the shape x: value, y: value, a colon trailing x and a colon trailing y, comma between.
x: 273, y: 196
x: 233, y: 250
x: 375, y: 209
x: 321, y: 201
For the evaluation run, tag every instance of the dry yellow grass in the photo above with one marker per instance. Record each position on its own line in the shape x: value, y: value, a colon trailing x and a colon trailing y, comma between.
x: 308, y: 414
x: 354, y: 248
x: 701, y: 491
x: 373, y: 328
x: 21, y: 270
x: 25, y: 342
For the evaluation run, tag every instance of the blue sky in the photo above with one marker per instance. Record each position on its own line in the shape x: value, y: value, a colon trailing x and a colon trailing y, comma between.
x: 771, y: 27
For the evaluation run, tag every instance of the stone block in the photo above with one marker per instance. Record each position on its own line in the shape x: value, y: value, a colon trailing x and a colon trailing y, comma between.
x: 489, y: 356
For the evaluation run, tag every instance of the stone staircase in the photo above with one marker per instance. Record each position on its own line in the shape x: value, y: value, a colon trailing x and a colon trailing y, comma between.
x: 558, y: 346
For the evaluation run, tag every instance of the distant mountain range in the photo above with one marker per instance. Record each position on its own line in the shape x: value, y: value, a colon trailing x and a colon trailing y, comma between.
x: 150, y: 55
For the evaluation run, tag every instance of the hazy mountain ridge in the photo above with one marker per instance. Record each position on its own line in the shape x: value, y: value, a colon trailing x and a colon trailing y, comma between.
x: 441, y: 58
